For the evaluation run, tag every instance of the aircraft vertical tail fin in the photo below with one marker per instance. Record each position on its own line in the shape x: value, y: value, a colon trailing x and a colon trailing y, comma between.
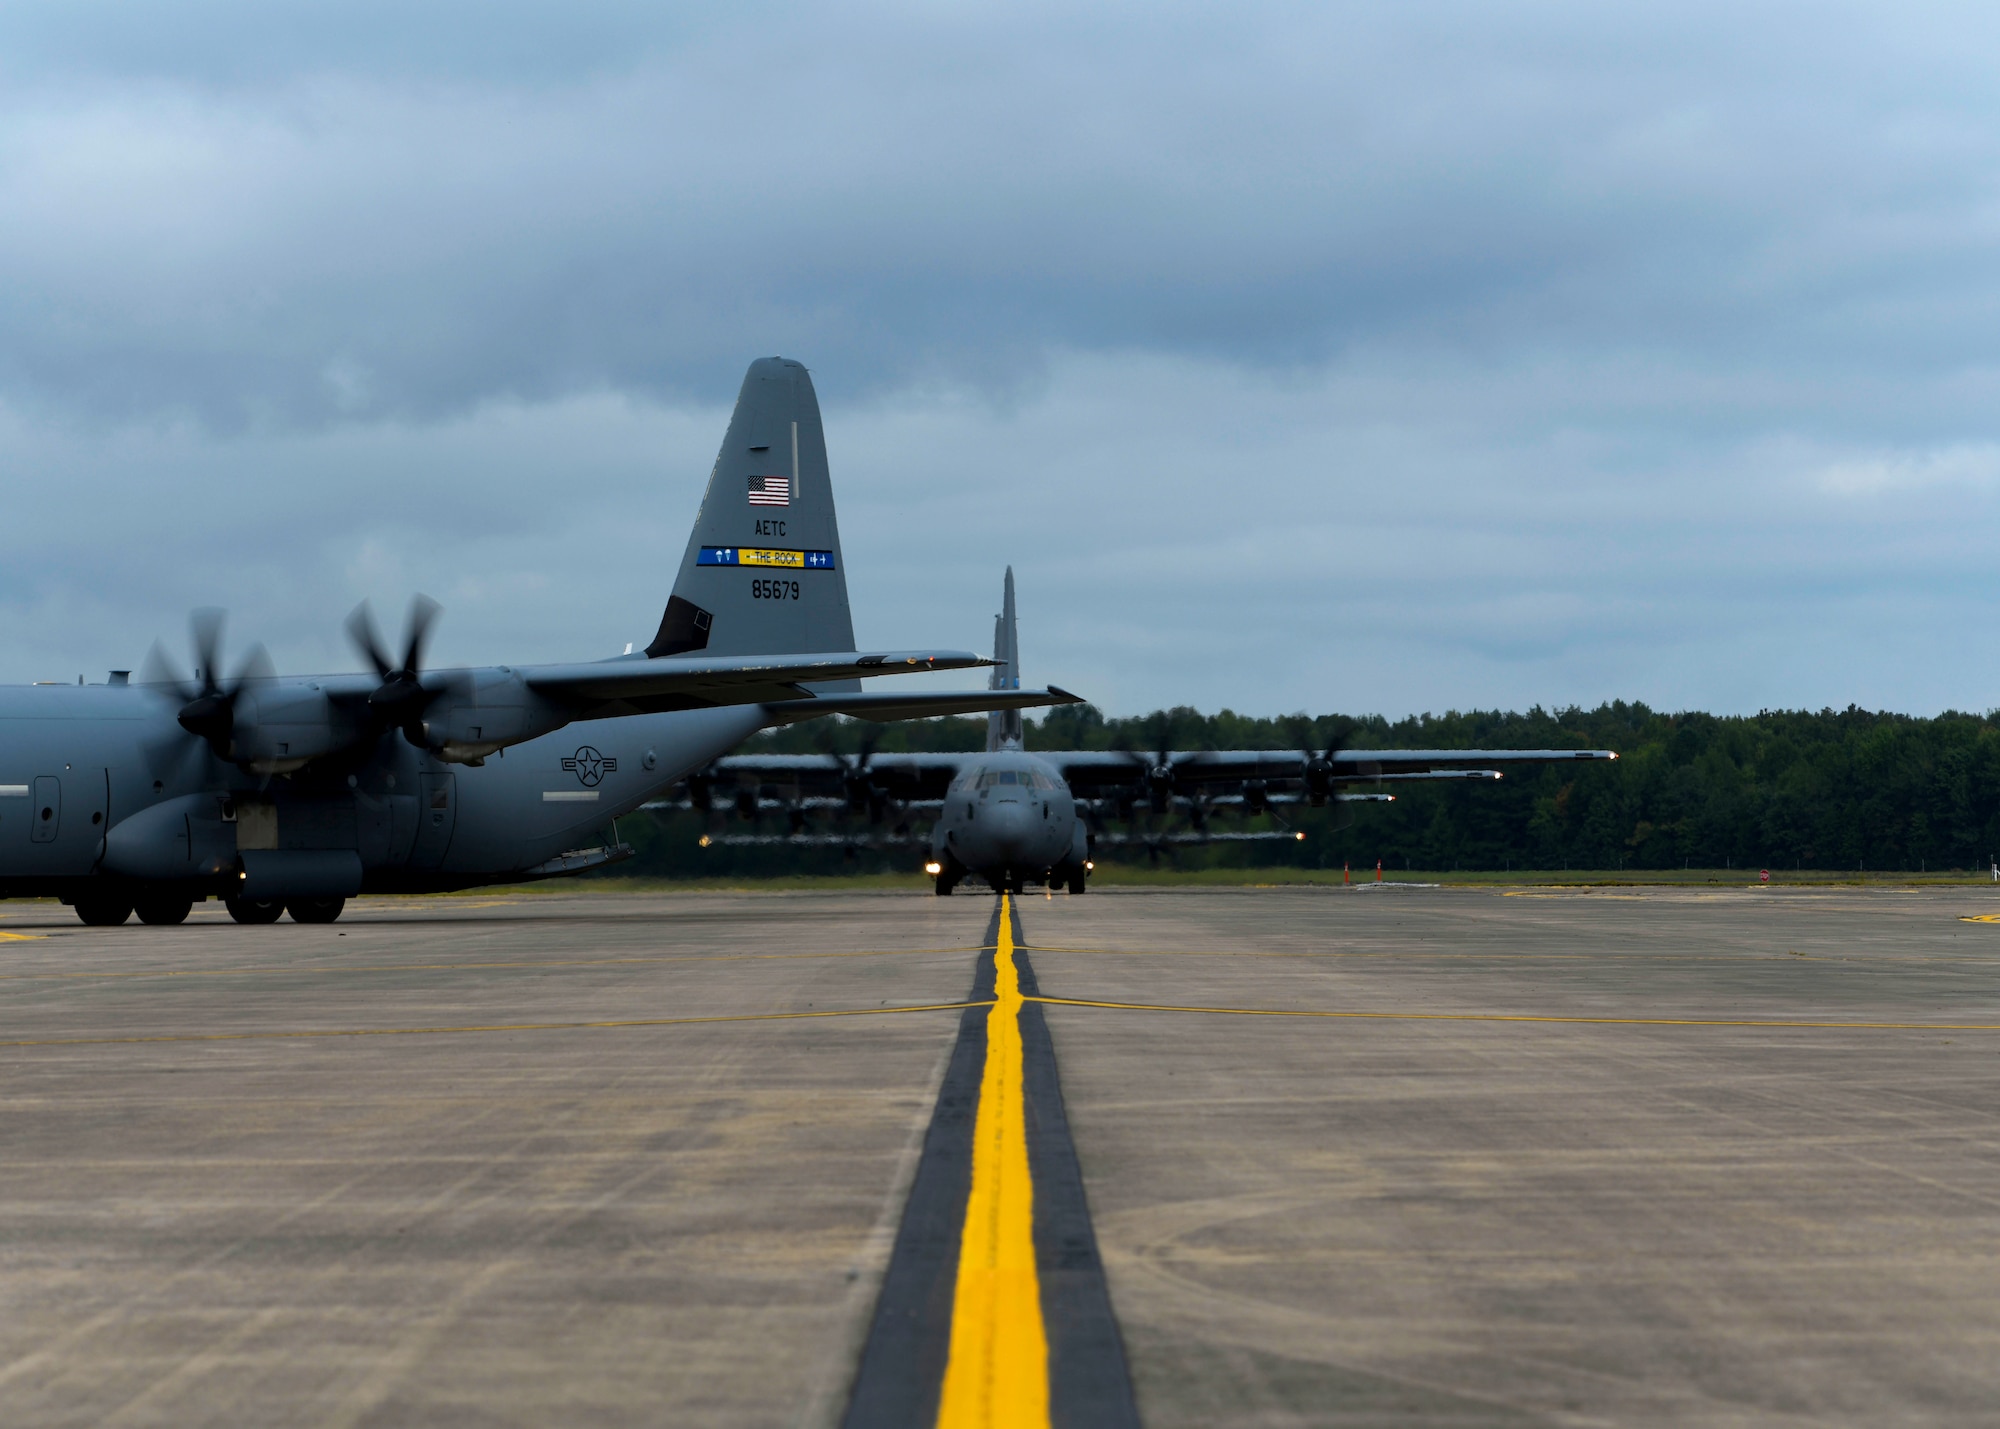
x: 1003, y: 727
x: 763, y: 574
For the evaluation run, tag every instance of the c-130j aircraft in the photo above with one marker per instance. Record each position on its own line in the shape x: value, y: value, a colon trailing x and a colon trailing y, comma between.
x: 1011, y: 818
x: 294, y: 794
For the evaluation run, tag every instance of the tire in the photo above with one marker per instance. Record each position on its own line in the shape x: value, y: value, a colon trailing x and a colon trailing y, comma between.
x: 315, y: 910
x: 103, y: 912
x: 245, y: 910
x: 942, y: 886
x: 163, y: 910
x: 1076, y: 884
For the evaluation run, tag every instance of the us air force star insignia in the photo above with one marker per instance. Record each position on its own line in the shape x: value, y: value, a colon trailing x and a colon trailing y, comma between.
x: 589, y: 766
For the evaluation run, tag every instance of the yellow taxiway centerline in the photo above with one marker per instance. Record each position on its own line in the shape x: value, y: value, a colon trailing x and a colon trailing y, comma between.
x: 997, y: 1372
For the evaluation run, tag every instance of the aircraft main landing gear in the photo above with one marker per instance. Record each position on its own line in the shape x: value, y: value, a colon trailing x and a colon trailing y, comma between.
x: 163, y: 910
x: 103, y: 912
x: 254, y: 910
x: 315, y: 910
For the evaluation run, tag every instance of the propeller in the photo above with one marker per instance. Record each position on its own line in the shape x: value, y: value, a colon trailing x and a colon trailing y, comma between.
x: 857, y: 784
x: 1156, y: 773
x: 401, y: 699
x: 1319, y: 769
x: 207, y: 702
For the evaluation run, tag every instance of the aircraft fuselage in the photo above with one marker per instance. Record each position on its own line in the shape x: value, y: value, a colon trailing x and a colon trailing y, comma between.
x: 1010, y: 818
x: 98, y: 783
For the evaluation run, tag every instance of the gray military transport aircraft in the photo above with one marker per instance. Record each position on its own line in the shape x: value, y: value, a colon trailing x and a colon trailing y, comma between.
x: 1012, y: 818
x: 293, y: 794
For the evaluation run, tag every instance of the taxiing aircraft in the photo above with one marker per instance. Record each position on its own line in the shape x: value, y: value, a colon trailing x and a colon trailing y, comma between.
x: 296, y: 793
x: 1014, y: 817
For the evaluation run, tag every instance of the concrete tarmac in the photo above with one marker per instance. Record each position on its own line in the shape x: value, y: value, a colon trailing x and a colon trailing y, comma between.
x: 476, y: 1160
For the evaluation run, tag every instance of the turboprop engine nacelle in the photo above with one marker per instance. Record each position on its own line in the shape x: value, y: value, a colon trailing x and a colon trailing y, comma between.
x: 485, y: 714
x: 285, y: 727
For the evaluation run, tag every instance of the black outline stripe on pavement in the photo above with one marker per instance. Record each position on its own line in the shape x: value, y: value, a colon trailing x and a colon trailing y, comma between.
x: 1089, y: 1380
x: 901, y: 1372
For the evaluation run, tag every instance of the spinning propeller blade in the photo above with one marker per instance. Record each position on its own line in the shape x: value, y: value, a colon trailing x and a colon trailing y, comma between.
x: 207, y: 703
x: 402, y: 698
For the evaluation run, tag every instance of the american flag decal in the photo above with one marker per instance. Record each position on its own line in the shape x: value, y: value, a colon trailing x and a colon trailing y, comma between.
x: 770, y: 491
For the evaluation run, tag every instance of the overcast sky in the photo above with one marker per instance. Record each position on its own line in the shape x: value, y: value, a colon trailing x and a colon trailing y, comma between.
x: 1380, y: 358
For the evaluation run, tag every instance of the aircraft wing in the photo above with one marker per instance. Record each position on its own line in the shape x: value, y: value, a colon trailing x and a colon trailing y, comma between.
x: 881, y: 705
x: 1096, y: 768
x: 901, y: 776
x: 621, y: 687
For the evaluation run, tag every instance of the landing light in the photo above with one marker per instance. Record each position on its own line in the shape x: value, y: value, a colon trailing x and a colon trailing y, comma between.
x: 1089, y: 867
x: 1300, y: 837
x: 703, y: 841
x: 933, y: 868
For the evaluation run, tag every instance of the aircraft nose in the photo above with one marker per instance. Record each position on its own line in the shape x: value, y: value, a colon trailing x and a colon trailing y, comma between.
x: 1007, y: 825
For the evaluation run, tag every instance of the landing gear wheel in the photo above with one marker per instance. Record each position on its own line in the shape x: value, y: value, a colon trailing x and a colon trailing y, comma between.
x: 1076, y: 884
x: 942, y: 886
x: 254, y: 910
x: 315, y: 910
x: 163, y: 910
x: 103, y: 912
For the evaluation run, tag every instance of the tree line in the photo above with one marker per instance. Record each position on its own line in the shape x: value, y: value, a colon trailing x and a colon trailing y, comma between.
x: 1829, y: 789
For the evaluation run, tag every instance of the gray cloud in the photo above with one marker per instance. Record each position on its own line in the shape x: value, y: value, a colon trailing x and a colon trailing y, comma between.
x: 1383, y: 358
